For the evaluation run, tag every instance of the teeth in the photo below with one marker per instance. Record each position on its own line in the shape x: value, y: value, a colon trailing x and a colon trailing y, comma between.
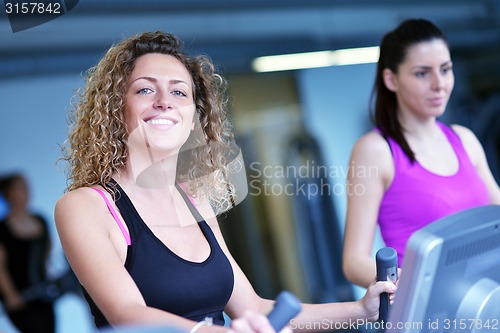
x: 160, y: 122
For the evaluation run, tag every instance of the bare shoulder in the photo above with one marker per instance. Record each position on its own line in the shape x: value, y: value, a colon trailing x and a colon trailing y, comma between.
x: 465, y: 134
x: 372, y: 148
x: 78, y: 204
x: 77, y: 198
x: 471, y: 143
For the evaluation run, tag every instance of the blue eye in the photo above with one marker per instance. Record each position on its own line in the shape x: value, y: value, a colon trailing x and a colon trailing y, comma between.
x: 144, y: 91
x: 178, y: 93
x: 420, y: 74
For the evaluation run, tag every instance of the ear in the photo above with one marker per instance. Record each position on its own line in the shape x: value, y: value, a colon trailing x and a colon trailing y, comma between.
x: 390, y: 80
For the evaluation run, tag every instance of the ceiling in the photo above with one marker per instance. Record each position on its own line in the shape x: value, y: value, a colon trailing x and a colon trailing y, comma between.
x: 233, y: 32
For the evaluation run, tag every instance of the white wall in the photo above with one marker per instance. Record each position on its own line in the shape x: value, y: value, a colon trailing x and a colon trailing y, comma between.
x: 33, y: 114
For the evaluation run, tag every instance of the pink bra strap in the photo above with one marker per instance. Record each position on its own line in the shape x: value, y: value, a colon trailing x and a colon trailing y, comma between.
x: 115, y: 216
x: 183, y: 187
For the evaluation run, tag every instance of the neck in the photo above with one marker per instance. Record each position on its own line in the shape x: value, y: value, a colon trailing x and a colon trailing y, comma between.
x: 418, y: 128
x: 159, y: 175
x: 18, y: 211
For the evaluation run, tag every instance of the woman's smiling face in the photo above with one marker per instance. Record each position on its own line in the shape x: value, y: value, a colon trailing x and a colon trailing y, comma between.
x: 160, y: 102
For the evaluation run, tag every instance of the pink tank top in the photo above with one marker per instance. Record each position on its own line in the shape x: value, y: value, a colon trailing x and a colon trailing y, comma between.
x: 418, y: 197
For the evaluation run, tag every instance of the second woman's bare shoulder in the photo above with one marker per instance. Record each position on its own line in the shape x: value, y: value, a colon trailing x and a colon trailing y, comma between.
x: 372, y: 147
x: 372, y: 151
x: 470, y: 142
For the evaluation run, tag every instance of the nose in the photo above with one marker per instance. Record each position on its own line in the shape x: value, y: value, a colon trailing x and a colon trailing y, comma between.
x: 438, y: 81
x: 163, y: 102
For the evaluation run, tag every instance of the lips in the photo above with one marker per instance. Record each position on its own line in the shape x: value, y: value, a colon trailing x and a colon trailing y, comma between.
x: 437, y: 101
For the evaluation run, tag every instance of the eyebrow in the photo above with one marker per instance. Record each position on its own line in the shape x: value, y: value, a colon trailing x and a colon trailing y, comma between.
x: 449, y: 62
x: 154, y: 80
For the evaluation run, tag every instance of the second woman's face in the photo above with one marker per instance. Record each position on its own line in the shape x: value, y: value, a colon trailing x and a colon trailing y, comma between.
x: 425, y: 79
x: 159, y: 102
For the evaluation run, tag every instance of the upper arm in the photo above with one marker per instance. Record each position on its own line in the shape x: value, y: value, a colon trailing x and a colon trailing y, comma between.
x: 370, y: 173
x: 84, y: 223
x: 478, y: 158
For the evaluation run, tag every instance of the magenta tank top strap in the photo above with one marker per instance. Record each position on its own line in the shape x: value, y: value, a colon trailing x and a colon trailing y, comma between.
x: 115, y: 216
x: 455, y: 142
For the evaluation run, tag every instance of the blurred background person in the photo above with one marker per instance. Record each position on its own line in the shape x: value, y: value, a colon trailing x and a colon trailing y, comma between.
x: 24, y: 249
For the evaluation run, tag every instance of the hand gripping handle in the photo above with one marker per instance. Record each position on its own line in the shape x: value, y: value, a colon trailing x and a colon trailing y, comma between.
x: 286, y: 307
x: 387, y: 270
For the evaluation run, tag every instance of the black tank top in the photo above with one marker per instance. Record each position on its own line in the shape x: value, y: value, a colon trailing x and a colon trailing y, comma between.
x: 26, y: 256
x: 168, y: 282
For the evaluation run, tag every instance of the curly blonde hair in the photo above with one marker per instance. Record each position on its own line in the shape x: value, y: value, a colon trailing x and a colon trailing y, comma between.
x: 97, y: 144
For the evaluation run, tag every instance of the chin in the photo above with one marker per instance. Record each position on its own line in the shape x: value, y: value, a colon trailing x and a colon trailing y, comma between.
x: 436, y: 112
x: 161, y: 152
